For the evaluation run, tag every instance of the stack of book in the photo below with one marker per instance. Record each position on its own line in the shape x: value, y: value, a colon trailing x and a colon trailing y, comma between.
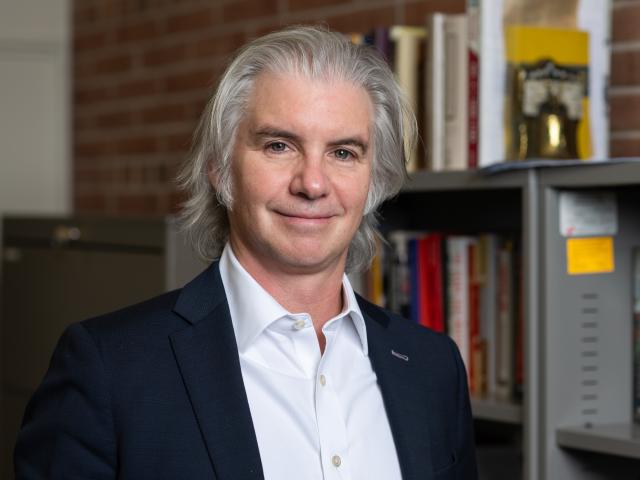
x: 504, y: 81
x: 466, y: 286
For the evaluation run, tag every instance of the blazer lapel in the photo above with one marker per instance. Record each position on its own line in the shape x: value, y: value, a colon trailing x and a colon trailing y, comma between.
x: 404, y: 391
x: 207, y: 356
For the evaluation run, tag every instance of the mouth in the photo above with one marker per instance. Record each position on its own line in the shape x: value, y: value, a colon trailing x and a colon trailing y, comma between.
x: 305, y: 217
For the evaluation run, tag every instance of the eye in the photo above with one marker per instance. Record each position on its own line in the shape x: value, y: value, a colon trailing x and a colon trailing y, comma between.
x: 277, y: 147
x: 343, y: 154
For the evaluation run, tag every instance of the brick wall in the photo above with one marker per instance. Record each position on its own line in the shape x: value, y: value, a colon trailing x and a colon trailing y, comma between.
x: 624, y: 94
x: 144, y: 68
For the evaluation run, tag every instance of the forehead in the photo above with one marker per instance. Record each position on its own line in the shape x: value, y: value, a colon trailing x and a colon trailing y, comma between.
x: 294, y: 98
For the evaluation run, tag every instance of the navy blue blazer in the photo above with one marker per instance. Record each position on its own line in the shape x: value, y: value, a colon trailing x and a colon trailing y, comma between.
x: 155, y: 391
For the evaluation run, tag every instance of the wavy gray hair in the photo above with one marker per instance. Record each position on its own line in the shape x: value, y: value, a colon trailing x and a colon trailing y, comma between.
x: 314, y: 52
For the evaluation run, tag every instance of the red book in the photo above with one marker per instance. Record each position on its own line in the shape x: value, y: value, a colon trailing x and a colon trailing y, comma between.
x: 475, y: 341
x: 434, y: 282
x: 473, y: 109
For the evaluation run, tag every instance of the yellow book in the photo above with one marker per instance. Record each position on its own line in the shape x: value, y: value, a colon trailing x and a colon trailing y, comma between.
x: 409, y: 45
x: 547, y: 102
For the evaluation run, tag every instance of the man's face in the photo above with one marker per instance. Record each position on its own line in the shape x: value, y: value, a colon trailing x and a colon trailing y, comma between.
x: 301, y: 170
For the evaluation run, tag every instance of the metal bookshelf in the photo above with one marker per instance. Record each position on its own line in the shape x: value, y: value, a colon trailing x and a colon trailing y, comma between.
x: 572, y: 406
x: 621, y: 439
x: 496, y: 410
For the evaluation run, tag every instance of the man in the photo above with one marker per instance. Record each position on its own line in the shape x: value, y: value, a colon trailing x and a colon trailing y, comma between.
x: 267, y: 365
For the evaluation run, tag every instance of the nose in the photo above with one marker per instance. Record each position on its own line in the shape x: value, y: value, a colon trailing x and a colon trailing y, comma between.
x: 310, y: 178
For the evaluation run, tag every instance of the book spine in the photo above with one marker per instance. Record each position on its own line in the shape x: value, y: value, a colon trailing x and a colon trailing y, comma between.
x: 456, y: 89
x: 424, y: 294
x: 436, y: 290
x: 473, y: 41
x: 458, y: 294
x: 504, y: 351
x: 488, y: 300
x: 408, y: 45
x: 475, y: 347
x: 435, y: 92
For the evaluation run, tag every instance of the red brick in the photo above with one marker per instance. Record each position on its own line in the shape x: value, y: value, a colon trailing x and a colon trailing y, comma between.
x: 625, y: 112
x: 165, y: 55
x: 137, y: 145
x: 114, y: 8
x: 179, y: 142
x: 248, y: 9
x: 88, y: 41
x: 362, y: 21
x: 416, y: 13
x: 189, y: 81
x: 86, y: 14
x: 137, y: 88
x: 625, y: 68
x: 135, y: 204
x: 219, y: 45
x: 92, y: 149
x: 114, y: 120
x: 164, y: 113
x: 625, y: 21
x: 114, y: 64
x: 89, y: 202
x: 297, y: 5
x: 137, y: 32
x: 91, y: 95
x: 197, y: 20
x: 624, y: 148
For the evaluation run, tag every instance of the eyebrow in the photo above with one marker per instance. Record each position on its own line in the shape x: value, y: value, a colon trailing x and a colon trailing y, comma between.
x: 280, y: 133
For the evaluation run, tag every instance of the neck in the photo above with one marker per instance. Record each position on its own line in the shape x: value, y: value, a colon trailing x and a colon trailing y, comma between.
x: 316, y: 292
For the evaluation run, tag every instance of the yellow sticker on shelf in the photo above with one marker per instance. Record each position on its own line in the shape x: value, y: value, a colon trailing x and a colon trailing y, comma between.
x: 590, y: 255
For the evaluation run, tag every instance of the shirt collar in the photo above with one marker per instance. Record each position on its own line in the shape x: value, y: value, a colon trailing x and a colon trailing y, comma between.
x: 253, y: 309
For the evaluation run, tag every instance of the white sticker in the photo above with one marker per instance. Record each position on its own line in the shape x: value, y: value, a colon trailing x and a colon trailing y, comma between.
x: 585, y: 214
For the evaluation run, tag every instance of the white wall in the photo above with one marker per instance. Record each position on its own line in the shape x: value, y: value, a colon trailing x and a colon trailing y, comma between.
x: 35, y: 106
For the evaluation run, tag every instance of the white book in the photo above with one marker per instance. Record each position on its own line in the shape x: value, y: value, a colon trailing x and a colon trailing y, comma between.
x: 456, y: 87
x: 458, y: 294
x: 435, y: 92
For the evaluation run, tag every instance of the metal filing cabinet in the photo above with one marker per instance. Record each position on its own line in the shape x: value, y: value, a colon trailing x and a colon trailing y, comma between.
x: 56, y: 271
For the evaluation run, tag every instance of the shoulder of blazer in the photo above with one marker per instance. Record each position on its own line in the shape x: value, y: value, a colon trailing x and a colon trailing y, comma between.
x: 164, y: 314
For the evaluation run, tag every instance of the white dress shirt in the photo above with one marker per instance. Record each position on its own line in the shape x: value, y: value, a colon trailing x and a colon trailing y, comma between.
x: 316, y: 416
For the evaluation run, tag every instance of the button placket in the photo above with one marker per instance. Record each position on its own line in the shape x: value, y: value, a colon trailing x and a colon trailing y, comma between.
x: 329, y: 417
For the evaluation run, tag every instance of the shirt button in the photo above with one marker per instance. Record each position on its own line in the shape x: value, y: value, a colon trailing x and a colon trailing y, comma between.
x: 336, y: 460
x: 299, y: 325
x: 323, y: 380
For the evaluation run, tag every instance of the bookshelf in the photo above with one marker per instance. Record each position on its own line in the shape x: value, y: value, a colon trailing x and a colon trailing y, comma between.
x: 575, y: 418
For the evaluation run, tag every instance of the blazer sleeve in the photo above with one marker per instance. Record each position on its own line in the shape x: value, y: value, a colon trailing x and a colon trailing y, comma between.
x: 466, y: 462
x: 68, y: 429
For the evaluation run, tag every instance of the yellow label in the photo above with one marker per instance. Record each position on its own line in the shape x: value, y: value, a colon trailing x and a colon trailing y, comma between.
x: 590, y: 255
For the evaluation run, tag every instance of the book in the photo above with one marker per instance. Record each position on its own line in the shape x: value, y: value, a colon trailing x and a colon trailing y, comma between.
x: 487, y: 263
x: 476, y: 345
x: 458, y: 294
x: 407, y: 60
x: 434, y: 120
x: 505, y: 322
x: 456, y: 87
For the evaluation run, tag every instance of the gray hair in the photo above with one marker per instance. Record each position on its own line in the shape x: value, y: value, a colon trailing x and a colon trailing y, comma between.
x: 314, y: 52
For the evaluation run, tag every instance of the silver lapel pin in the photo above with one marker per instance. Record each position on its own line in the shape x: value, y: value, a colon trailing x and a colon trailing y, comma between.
x: 400, y: 355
